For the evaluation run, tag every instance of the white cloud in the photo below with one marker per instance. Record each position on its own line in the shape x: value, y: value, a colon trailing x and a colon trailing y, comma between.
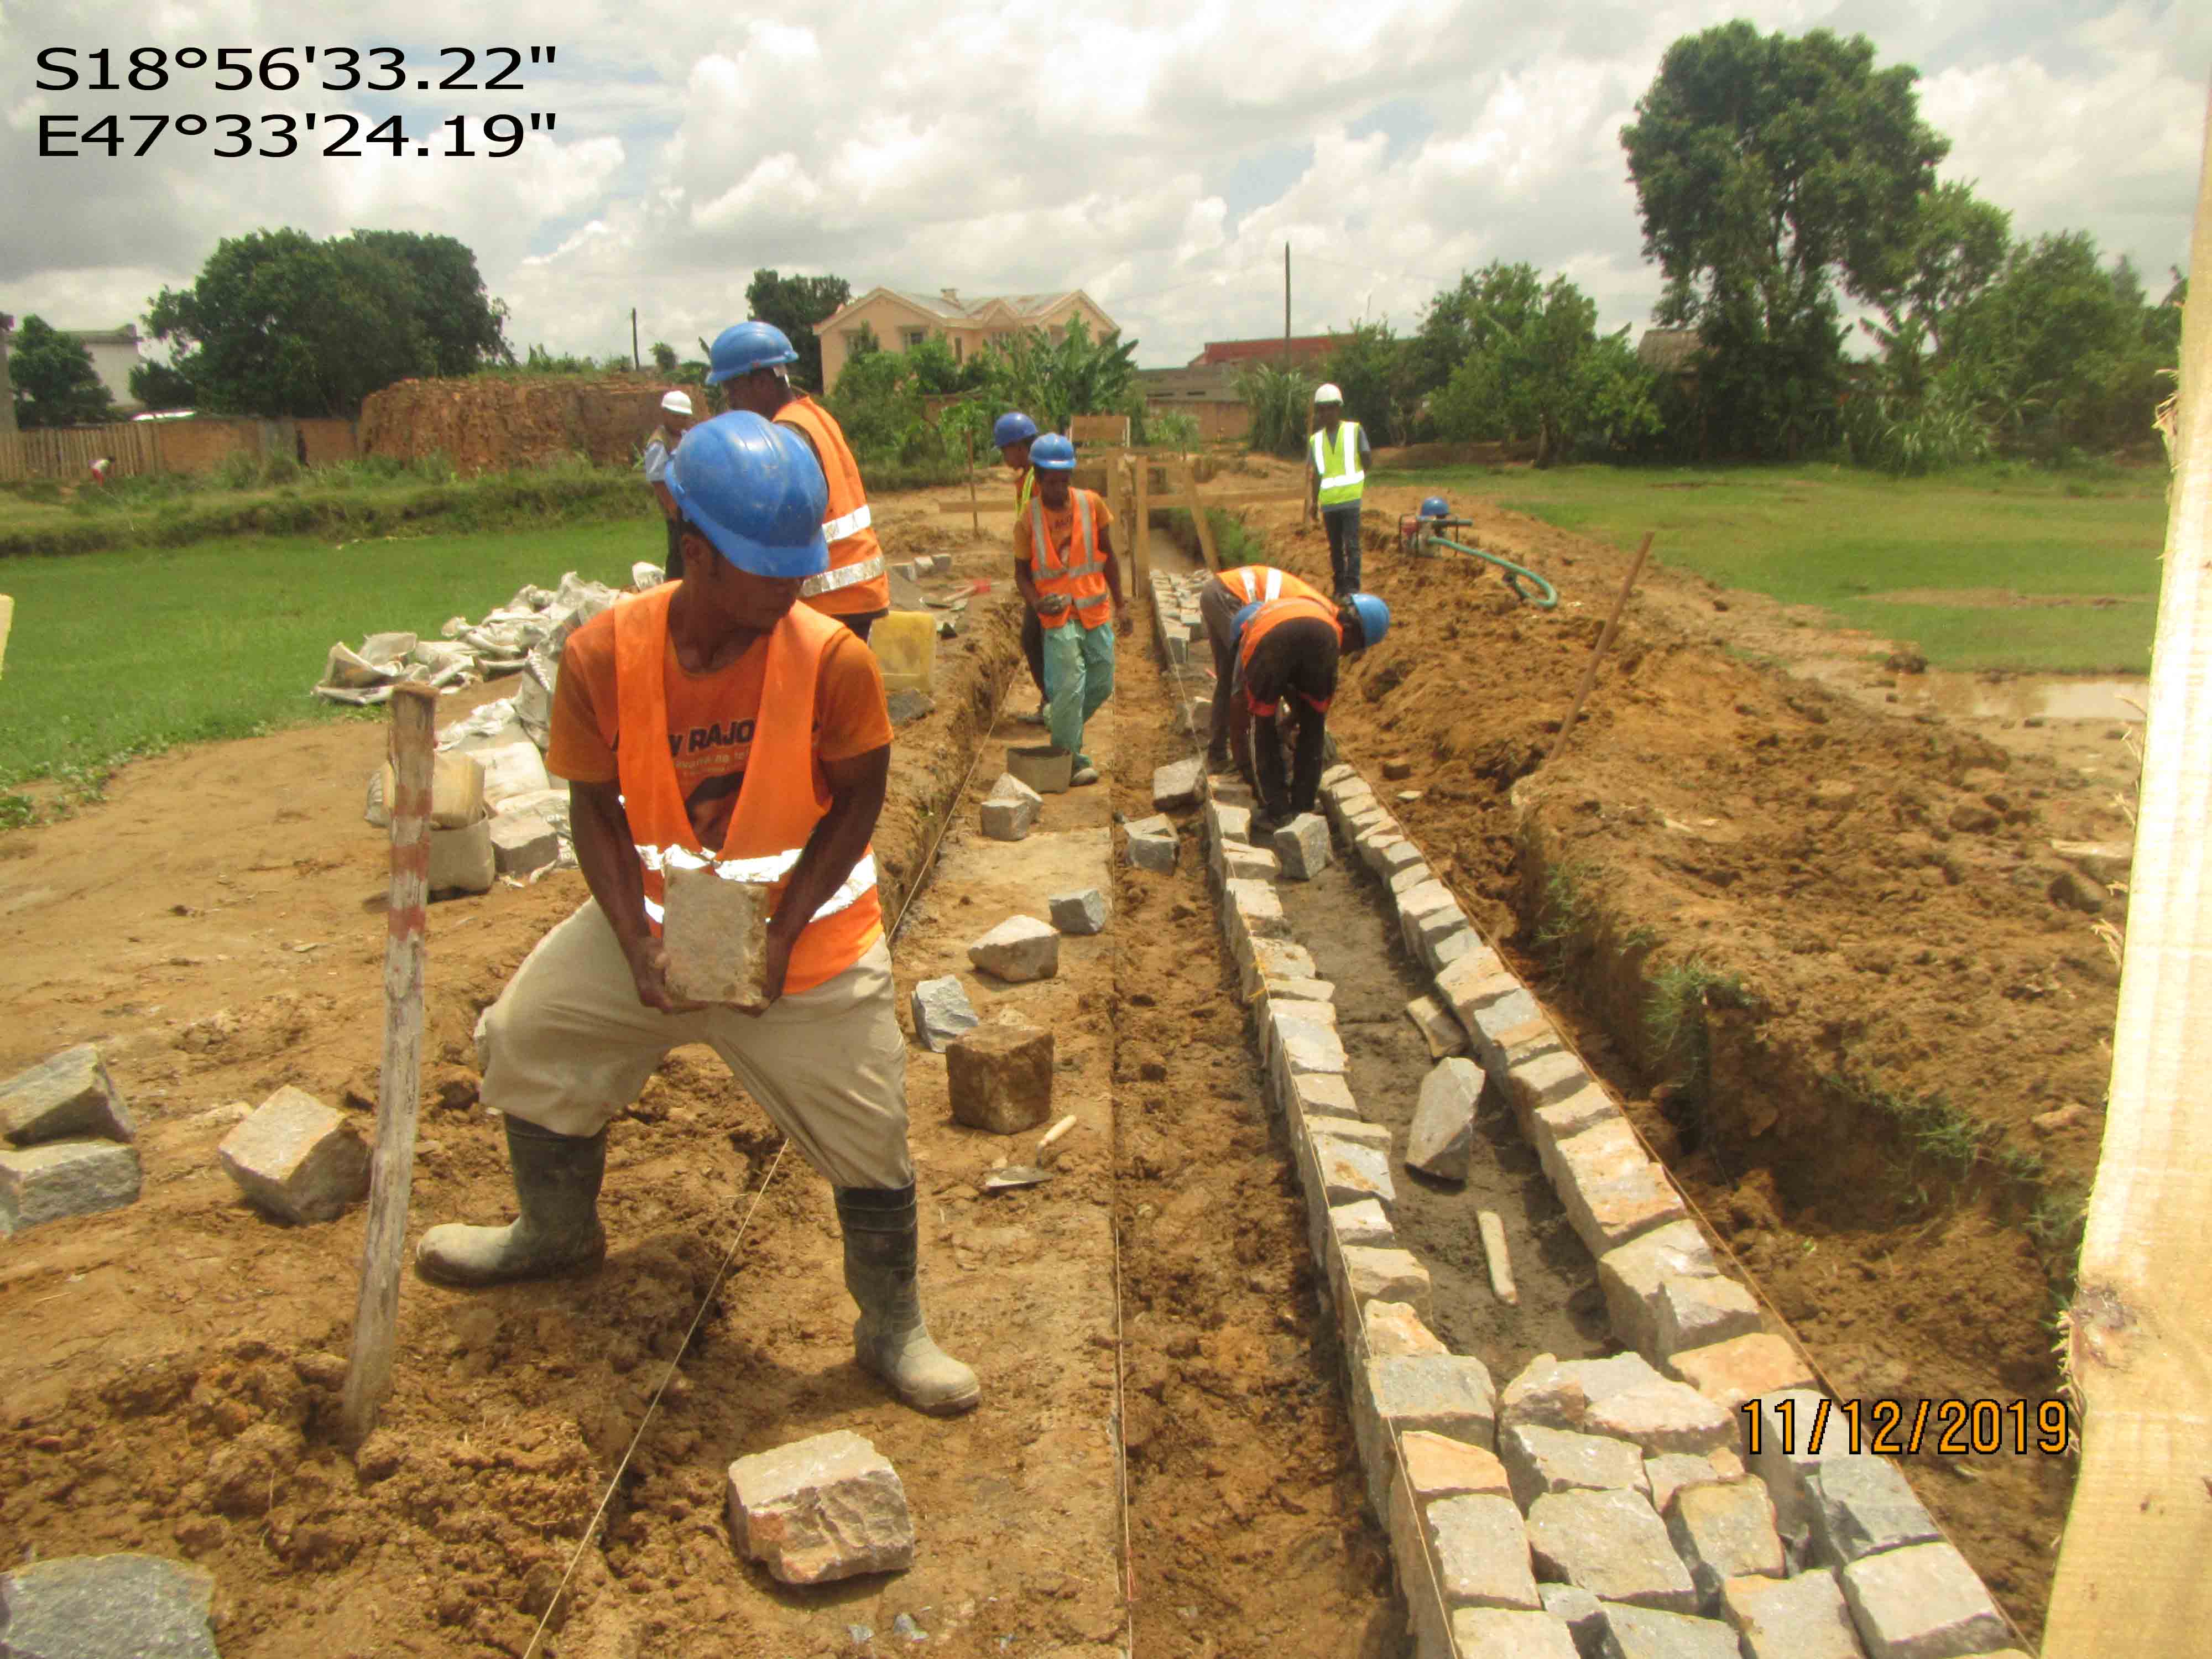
x: 1022, y: 146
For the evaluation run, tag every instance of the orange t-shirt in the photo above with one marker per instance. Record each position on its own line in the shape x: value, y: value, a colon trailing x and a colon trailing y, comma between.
x: 710, y: 718
x: 1059, y: 526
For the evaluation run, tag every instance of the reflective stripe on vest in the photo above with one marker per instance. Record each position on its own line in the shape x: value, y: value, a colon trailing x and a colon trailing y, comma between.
x: 1079, y: 576
x: 1254, y: 584
x: 855, y: 583
x: 1348, y: 480
x: 782, y: 797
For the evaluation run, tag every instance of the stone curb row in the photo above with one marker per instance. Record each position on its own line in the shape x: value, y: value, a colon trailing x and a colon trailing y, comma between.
x: 1574, y: 1466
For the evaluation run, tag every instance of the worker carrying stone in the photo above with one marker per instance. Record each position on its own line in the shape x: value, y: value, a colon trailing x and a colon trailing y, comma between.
x: 748, y: 363
x: 1277, y: 642
x: 674, y: 421
x: 1337, y: 458
x: 1064, y: 565
x: 1011, y: 434
x: 718, y: 721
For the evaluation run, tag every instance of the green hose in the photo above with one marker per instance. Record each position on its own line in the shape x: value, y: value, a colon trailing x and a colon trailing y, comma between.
x: 1548, y: 600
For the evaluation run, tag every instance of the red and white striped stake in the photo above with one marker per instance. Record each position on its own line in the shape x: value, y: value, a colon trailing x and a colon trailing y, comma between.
x: 376, y: 1317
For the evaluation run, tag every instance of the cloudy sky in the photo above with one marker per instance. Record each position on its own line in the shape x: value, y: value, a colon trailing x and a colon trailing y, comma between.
x: 1159, y: 155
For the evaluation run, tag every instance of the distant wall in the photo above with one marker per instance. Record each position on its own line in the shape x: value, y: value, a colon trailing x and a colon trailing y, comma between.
x: 328, y: 441
x: 492, y: 422
x: 195, y: 446
x: 1217, y: 418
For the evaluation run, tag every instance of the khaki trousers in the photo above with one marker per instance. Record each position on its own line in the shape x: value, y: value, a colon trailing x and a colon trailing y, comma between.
x: 568, y: 1046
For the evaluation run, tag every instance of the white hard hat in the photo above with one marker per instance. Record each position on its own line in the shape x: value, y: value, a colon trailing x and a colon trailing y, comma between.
x: 1328, y: 393
x: 677, y: 403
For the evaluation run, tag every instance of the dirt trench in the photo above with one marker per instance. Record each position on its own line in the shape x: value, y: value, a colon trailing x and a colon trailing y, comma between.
x: 1882, y: 1082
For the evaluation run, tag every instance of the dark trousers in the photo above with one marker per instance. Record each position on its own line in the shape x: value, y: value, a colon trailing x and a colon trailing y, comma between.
x: 1219, y: 608
x: 1033, y: 648
x: 1342, y: 524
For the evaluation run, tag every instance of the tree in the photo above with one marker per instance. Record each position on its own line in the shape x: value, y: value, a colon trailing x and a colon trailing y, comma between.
x: 55, y: 382
x: 466, y: 328
x: 1770, y: 170
x: 1369, y: 365
x: 1056, y: 379
x: 1468, y: 316
x: 1540, y: 370
x: 664, y: 356
x: 1956, y: 246
x: 795, y: 304
x: 933, y: 366
x: 279, y: 324
x: 156, y: 385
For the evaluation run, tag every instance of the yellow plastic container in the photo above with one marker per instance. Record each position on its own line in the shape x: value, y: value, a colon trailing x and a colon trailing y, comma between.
x: 905, y: 645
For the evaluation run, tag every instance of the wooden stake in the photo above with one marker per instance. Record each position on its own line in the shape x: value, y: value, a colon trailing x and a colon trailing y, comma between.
x: 1493, y: 1249
x: 1198, y: 516
x: 974, y: 514
x: 1140, y: 535
x: 2131, y: 1578
x: 1597, y: 655
x: 376, y: 1316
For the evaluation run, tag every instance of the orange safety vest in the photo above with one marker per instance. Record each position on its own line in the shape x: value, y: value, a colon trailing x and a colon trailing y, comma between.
x: 1077, y: 572
x: 1272, y: 614
x: 1250, y: 584
x: 783, y: 797
x: 854, y: 585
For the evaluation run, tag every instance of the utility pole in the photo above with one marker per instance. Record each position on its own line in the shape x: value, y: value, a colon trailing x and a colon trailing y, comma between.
x: 636, y: 361
x: 1286, y: 305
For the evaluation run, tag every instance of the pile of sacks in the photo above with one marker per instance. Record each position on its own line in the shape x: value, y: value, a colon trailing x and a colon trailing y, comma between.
x: 495, y: 811
x: 524, y: 634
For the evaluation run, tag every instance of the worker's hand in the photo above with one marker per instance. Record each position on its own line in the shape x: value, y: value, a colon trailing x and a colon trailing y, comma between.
x: 648, y: 967
x: 775, y: 966
x: 1051, y: 604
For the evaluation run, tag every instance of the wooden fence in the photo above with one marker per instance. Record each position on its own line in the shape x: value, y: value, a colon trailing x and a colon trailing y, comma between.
x: 66, y: 453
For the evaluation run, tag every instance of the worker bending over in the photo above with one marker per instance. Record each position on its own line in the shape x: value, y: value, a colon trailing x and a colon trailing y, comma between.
x: 1064, y: 565
x: 717, y: 720
x: 748, y: 361
x: 1336, y: 478
x: 1276, y: 657
x: 1012, y: 434
x: 674, y: 420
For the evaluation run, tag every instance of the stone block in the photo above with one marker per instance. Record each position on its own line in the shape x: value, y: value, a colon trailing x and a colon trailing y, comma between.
x: 1800, y: 1618
x: 1481, y: 1553
x: 1635, y: 1277
x: 1406, y: 877
x: 1363, y: 1222
x: 1583, y: 1613
x: 1611, y: 1192
x: 1663, y: 1416
x: 63, y: 1178
x: 1272, y: 1012
x: 1341, y: 804
x: 1259, y: 913
x: 1395, y: 1327
x: 827, y: 1508
x: 1000, y: 1078
x: 1923, y: 1602
x: 1447, y: 1395
x: 1355, y: 1131
x: 1724, y: 1532
x: 1461, y: 941
x: 1387, y: 853
x: 1611, y: 1544
x: 1348, y: 1172
x: 462, y: 860
x: 1438, y: 1029
x: 1473, y: 981
x: 1861, y: 1506
x: 552, y: 806
x: 522, y: 843
x: 107, y: 1606
x: 1433, y: 931
x: 1634, y: 1633
x: 1440, y: 1467
x: 1742, y: 1368
x: 1546, y: 1393
x: 1323, y: 1094
x: 1698, y: 1312
x: 457, y: 784
x: 1342, y: 772
x: 1374, y: 822
x: 1550, y: 1125
x: 1441, y: 1137
x: 1785, y: 1454
x: 1673, y: 1472
x: 1201, y: 717
x: 1079, y: 913
x: 1234, y: 861
x: 716, y: 936
x: 512, y: 769
x: 1178, y: 784
x: 1373, y: 1274
x: 1539, y: 1460
x: 1508, y: 1633
x: 1303, y: 846
x: 1227, y: 822
x: 941, y: 1011
x: 1012, y: 810
x: 1152, y: 844
x: 1300, y: 990
x: 1018, y: 949
x: 1299, y: 1046
x: 1422, y: 899
x: 65, y: 1096
x: 296, y: 1158
x: 1041, y: 766
x: 1263, y: 959
x: 1541, y: 1077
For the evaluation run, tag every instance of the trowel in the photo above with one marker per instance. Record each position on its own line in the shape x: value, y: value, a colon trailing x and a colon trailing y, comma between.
x: 1014, y: 1176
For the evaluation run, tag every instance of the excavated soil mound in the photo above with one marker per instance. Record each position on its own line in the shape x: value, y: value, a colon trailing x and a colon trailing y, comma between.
x: 493, y: 423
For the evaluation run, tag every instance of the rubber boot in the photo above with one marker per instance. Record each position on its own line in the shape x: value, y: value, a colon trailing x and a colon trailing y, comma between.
x: 889, y: 1339
x: 557, y: 1187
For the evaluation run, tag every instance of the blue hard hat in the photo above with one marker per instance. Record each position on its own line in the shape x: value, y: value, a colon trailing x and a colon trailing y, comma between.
x: 1373, y: 615
x: 1244, y: 614
x: 1010, y: 429
x: 1053, y: 453
x: 755, y: 490
x: 1436, y: 507
x: 744, y: 347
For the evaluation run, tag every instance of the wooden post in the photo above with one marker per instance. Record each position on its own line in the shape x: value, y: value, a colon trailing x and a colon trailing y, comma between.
x: 376, y: 1316
x: 974, y: 514
x: 1141, y: 534
x: 2131, y: 1577
x: 1198, y: 516
x: 1597, y: 653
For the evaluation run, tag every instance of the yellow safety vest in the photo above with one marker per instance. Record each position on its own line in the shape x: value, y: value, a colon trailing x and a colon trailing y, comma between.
x: 1344, y: 481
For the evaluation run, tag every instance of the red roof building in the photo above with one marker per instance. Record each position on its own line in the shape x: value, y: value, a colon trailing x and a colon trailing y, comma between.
x: 1300, y: 349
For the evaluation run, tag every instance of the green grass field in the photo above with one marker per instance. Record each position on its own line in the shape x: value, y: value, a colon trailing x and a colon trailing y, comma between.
x: 126, y: 652
x: 1843, y: 539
